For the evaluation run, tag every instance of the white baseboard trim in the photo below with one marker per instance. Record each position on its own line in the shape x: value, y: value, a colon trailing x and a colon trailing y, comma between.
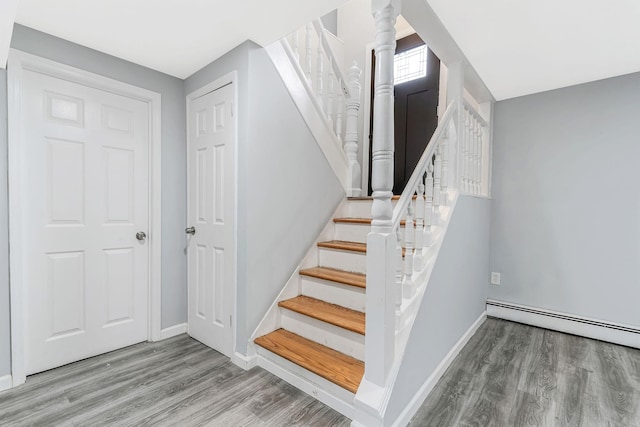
x: 243, y: 361
x: 602, y: 330
x: 426, y: 388
x: 173, y: 331
x: 6, y: 382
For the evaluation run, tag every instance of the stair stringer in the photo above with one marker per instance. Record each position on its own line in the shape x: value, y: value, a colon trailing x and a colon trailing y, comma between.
x: 310, y: 109
x: 371, y: 400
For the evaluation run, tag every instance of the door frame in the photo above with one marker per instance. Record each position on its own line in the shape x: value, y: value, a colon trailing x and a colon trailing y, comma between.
x: 366, y: 101
x: 19, y: 62
x: 227, y: 79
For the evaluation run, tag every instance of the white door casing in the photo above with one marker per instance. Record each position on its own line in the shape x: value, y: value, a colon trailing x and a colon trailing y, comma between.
x: 85, y: 156
x: 211, y: 167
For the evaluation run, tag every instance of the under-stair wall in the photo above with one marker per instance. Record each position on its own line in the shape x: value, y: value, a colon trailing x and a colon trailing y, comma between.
x: 286, y: 189
x: 452, y: 308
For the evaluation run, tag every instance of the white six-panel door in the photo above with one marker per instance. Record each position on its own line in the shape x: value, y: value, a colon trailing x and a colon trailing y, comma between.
x: 86, y: 195
x: 211, y: 200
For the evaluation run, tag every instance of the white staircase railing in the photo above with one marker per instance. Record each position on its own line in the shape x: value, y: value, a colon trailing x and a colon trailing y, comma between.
x: 336, y: 96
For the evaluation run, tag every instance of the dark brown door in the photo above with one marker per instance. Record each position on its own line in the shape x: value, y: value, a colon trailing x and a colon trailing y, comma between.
x: 416, y: 118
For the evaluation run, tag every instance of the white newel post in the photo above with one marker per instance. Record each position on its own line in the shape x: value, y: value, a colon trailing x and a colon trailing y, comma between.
x: 354, y: 173
x: 381, y: 242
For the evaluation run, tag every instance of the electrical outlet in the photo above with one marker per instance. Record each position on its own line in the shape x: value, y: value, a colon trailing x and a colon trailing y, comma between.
x: 495, y: 278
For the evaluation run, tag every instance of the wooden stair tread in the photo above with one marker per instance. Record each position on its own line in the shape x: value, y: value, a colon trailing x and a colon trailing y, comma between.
x: 330, y: 313
x: 350, y: 220
x: 340, y: 276
x: 345, y: 246
x: 353, y: 220
x: 340, y: 369
x: 394, y: 197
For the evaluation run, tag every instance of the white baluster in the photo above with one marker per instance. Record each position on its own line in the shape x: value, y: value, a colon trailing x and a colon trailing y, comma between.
x: 467, y: 155
x: 294, y: 45
x: 442, y: 199
x: 409, y: 234
x: 478, y: 157
x: 354, y: 173
x: 339, y: 111
x: 428, y: 209
x: 399, y: 274
x: 463, y: 144
x: 444, y: 181
x: 330, y: 92
x: 418, y: 262
x: 474, y: 144
x: 320, y: 73
x: 307, y: 52
x: 437, y: 190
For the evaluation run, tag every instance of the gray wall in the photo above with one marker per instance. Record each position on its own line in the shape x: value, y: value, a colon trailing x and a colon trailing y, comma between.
x: 566, y: 211
x: 454, y: 299
x: 286, y: 188
x: 330, y: 22
x: 5, y: 333
x: 292, y: 189
x: 174, y: 291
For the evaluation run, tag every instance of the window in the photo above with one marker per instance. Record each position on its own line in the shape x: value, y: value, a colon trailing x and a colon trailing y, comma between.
x: 410, y: 65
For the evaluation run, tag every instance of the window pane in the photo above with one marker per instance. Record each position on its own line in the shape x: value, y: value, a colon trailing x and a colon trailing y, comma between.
x: 410, y: 65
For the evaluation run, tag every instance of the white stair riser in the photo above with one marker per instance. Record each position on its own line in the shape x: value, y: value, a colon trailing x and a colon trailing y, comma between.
x: 362, y: 208
x: 350, y: 232
x: 359, y: 208
x: 339, y: 339
x: 335, y: 293
x: 343, y: 260
x: 328, y: 393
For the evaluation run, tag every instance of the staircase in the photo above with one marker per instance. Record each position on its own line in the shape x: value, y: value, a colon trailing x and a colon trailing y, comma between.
x: 321, y: 329
x: 313, y: 335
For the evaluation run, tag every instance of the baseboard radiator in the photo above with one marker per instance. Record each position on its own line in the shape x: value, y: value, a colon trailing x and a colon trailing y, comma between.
x: 613, y: 332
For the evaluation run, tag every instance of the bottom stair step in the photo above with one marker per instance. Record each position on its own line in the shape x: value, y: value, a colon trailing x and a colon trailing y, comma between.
x: 327, y: 363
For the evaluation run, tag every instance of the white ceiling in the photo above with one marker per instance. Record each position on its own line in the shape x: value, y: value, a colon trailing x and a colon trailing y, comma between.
x: 517, y: 47
x: 520, y: 47
x: 177, y: 37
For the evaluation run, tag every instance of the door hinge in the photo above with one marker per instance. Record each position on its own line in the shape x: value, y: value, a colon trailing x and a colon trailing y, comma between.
x: 230, y: 322
x: 232, y: 114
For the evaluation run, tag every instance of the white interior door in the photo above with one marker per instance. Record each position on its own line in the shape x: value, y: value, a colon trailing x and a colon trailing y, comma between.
x: 86, y: 195
x: 211, y: 193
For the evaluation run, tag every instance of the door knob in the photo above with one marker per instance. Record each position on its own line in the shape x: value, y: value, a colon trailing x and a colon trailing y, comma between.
x: 141, y: 235
x: 190, y: 230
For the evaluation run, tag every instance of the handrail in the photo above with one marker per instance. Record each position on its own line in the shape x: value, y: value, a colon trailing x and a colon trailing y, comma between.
x: 427, y: 155
x: 328, y: 50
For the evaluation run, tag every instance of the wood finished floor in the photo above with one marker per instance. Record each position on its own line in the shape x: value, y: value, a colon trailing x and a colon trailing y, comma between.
x: 177, y: 382
x: 511, y: 374
x: 508, y: 375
